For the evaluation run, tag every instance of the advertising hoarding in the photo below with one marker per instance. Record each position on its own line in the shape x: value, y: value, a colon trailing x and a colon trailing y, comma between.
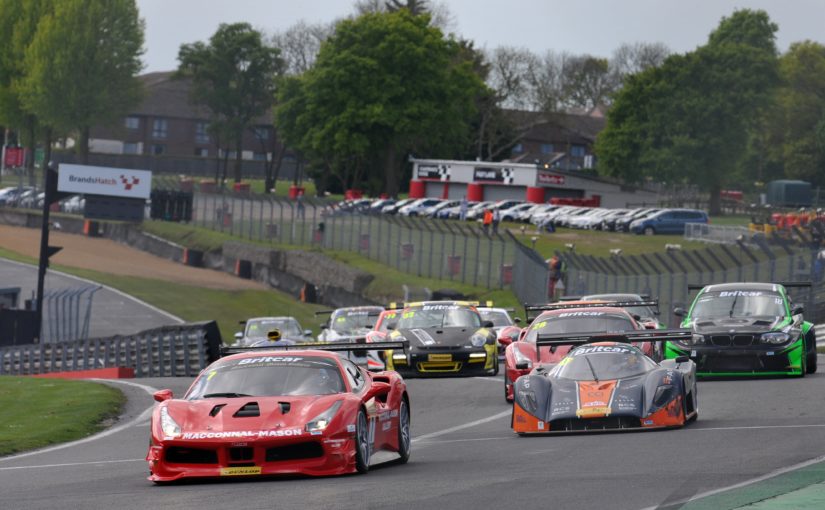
x: 98, y: 180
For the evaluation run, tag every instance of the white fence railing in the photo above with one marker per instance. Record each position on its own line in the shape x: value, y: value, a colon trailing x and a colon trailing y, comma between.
x: 716, y: 233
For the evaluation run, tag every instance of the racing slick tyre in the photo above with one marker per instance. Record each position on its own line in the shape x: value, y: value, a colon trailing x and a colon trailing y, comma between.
x: 362, y: 442
x: 649, y: 231
x: 404, y: 438
x: 810, y: 338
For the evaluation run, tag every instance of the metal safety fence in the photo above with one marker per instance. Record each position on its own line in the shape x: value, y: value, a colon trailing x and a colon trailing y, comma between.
x: 169, y: 351
x: 715, y: 233
x: 429, y: 248
x: 666, y: 276
x: 67, y: 313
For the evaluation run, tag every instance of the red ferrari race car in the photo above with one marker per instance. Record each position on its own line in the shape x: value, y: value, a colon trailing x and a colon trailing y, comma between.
x: 292, y: 410
x: 387, y: 321
x: 570, y: 317
x: 606, y: 384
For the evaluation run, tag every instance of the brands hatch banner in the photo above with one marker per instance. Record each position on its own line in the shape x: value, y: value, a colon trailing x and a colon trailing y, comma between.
x: 99, y: 180
x: 433, y: 172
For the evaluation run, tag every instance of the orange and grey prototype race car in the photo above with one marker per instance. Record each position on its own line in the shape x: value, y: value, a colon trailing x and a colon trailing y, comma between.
x: 605, y: 383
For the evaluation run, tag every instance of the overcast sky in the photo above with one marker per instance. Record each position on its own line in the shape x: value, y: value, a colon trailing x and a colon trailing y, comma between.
x: 595, y: 27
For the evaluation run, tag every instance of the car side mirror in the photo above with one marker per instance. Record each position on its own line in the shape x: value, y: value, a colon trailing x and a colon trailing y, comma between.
x: 324, y: 326
x: 238, y: 335
x: 679, y: 312
x: 378, y: 389
x: 517, y: 320
x: 369, y: 326
x: 488, y: 324
x: 162, y: 395
x: 307, y: 332
x: 797, y: 310
x: 522, y: 366
x: 682, y: 359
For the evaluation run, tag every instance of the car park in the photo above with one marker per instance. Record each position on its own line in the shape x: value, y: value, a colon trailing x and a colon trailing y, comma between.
x: 623, y: 224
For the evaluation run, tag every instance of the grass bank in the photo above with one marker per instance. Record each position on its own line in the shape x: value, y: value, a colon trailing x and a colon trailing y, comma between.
x: 35, y: 413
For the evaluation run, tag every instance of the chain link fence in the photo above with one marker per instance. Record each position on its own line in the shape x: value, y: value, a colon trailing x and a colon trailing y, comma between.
x: 428, y: 248
x: 665, y: 276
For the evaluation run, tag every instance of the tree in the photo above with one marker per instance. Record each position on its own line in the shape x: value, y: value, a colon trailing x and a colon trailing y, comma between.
x: 633, y: 58
x: 440, y: 15
x: 18, y: 24
x: 384, y: 83
x: 801, y: 118
x: 234, y: 77
x: 689, y: 120
x: 82, y: 65
x: 300, y: 44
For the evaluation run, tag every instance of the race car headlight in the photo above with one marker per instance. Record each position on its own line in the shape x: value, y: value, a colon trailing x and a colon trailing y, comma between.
x: 321, y: 422
x: 168, y: 425
x: 775, y: 337
x: 478, y: 340
x: 663, y: 395
x: 521, y: 358
x: 527, y: 401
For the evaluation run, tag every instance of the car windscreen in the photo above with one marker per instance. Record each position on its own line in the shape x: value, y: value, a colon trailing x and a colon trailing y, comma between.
x: 289, y: 328
x: 268, y: 375
x: 579, y: 322
x: 389, y: 320
x: 439, y: 316
x: 353, y: 320
x: 498, y: 318
x: 738, y: 303
x: 603, y: 362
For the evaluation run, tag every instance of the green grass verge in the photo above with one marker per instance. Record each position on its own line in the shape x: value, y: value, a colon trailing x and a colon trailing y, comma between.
x: 38, y: 412
x: 194, y: 304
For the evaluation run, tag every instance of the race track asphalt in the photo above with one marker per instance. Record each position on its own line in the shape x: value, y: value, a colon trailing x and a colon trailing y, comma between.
x: 464, y: 456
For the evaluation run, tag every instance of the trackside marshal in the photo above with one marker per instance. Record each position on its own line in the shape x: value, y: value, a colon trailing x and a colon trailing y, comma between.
x: 99, y: 180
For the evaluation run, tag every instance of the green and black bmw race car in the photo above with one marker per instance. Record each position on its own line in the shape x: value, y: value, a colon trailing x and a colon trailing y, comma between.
x: 445, y: 338
x: 743, y: 329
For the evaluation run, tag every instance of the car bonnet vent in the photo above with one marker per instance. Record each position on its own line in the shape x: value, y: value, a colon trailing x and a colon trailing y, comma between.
x: 250, y: 409
x: 215, y: 410
x: 285, y: 407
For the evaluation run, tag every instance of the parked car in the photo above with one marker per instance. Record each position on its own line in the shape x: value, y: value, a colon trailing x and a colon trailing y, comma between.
x: 393, y: 208
x: 416, y: 207
x: 668, y: 221
x: 623, y: 224
x: 513, y: 213
x: 433, y: 211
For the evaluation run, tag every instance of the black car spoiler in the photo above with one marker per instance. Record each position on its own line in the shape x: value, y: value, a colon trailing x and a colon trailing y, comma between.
x: 699, y: 286
x: 564, y: 306
x: 359, y: 345
x: 648, y: 335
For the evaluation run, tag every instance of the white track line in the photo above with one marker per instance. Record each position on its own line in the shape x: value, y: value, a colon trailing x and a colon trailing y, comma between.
x: 462, y: 427
x: 768, y: 476
x: 71, y: 464
x: 112, y: 289
x: 100, y: 435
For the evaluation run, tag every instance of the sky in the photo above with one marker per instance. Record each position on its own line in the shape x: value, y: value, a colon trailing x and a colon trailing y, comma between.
x: 594, y: 27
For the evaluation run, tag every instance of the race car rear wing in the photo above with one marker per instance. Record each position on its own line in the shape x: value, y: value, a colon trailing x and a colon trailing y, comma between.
x: 399, y: 306
x: 360, y: 345
x: 647, y: 335
x: 564, y: 306
x: 699, y: 286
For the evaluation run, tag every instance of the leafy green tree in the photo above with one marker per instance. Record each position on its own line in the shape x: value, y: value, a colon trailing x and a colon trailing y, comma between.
x: 802, y: 115
x: 234, y: 76
x: 384, y: 84
x: 688, y: 121
x: 18, y: 25
x: 82, y: 66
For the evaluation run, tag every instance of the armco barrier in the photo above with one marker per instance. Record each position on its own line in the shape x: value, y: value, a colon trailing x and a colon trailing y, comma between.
x: 167, y: 351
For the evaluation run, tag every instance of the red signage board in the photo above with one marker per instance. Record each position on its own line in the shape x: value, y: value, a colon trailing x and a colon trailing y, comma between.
x: 552, y: 179
x: 14, y: 157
